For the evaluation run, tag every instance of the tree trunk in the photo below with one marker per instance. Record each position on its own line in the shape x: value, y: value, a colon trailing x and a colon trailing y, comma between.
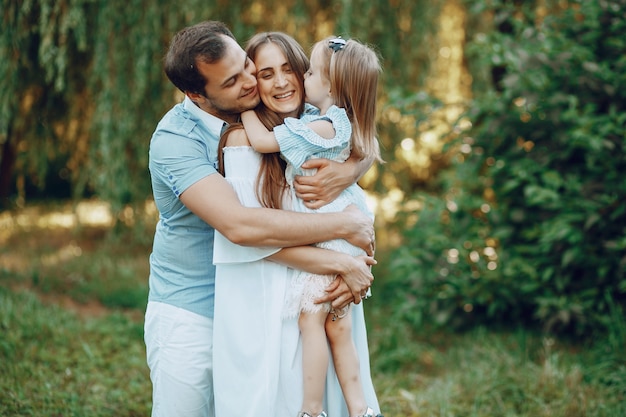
x: 7, y: 162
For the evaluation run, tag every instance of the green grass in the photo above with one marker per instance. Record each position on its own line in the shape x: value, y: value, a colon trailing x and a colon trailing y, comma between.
x: 53, y: 363
x: 495, y: 373
x: 87, y: 358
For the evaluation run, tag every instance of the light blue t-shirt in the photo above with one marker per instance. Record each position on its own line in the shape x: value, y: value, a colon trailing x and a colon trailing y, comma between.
x: 183, y: 150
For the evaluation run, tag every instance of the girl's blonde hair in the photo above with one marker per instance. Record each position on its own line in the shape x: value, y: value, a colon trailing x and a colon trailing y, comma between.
x: 353, y: 70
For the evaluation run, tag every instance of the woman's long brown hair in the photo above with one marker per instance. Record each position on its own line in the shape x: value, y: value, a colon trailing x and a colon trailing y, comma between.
x: 270, y: 183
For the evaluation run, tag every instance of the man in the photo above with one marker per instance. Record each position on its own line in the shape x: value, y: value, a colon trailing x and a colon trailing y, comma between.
x: 219, y: 81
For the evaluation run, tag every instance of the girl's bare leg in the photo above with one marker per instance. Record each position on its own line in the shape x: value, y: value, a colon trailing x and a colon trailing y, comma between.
x: 315, y: 358
x: 346, y: 360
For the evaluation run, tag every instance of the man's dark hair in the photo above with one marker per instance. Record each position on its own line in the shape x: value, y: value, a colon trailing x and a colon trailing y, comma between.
x: 201, y: 42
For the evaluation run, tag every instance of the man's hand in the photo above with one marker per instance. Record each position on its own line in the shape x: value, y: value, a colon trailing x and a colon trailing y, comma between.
x: 328, y: 182
x: 362, y: 230
x: 358, y: 276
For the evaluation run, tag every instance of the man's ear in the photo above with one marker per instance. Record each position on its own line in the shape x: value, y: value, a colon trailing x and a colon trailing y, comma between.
x: 195, y: 97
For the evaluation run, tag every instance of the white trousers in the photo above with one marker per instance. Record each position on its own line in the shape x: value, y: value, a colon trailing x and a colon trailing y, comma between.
x: 179, y: 349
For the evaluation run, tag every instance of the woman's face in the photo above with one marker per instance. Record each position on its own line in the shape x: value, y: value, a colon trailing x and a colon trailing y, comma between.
x: 278, y: 85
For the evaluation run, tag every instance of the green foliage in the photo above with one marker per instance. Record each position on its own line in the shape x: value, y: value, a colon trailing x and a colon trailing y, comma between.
x: 82, y: 84
x: 406, y: 114
x: 530, y: 221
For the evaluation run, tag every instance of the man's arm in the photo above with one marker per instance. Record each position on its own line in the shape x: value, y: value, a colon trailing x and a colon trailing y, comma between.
x: 330, y: 180
x: 355, y: 271
x: 214, y: 201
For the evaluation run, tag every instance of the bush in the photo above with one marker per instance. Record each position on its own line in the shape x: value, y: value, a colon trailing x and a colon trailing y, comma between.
x: 530, y: 222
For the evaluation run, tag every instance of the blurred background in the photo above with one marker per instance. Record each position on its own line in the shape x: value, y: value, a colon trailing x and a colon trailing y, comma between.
x: 501, y: 208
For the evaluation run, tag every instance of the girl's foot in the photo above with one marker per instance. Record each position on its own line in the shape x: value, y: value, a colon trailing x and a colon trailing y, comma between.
x: 370, y: 413
x: 305, y: 414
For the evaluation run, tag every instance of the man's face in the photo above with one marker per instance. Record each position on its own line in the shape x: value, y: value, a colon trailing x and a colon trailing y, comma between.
x: 231, y: 84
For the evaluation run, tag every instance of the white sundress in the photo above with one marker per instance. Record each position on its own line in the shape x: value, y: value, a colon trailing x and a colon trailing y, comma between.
x: 257, y: 355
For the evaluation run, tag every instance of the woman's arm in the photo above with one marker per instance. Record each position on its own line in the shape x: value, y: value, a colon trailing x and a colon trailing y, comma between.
x: 355, y: 271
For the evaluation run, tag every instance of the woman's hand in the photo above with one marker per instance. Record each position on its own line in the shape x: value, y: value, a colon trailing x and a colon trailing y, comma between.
x: 338, y: 294
x: 351, y: 285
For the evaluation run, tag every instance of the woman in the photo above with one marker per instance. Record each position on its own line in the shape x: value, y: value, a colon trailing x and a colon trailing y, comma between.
x: 342, y: 73
x: 257, y: 354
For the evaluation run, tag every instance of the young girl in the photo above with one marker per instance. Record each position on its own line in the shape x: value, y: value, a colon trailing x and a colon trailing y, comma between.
x: 342, y: 83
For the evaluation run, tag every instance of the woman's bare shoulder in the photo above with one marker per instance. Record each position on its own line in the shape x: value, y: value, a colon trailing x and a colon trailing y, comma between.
x: 237, y: 136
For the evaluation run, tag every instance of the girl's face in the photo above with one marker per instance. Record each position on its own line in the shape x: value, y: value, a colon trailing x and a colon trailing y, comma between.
x: 278, y: 85
x: 316, y: 85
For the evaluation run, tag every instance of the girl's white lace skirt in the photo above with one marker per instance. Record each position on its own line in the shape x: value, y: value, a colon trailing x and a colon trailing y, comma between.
x: 302, y: 292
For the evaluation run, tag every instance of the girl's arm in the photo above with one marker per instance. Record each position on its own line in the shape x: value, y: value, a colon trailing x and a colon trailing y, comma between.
x: 355, y: 271
x: 261, y: 139
x: 264, y: 141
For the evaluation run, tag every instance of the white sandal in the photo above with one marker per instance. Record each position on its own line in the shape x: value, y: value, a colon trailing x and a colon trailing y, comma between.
x: 370, y: 413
